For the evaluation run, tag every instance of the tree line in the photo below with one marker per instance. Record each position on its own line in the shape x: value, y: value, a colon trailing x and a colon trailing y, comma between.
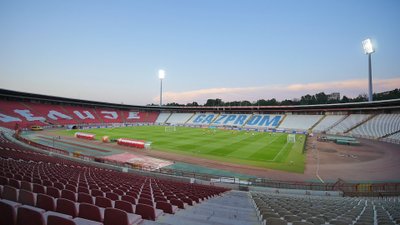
x: 318, y: 98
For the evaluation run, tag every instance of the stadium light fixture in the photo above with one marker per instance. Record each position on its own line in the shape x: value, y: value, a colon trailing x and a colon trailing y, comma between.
x: 368, y: 50
x: 161, y: 76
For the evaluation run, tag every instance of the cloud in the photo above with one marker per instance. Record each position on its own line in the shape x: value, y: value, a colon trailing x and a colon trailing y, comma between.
x: 350, y: 88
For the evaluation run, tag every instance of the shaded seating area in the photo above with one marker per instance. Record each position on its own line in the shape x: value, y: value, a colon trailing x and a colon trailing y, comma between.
x: 300, y: 209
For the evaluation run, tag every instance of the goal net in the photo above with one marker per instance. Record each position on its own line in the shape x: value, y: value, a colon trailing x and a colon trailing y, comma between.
x: 171, y: 128
x: 291, y: 138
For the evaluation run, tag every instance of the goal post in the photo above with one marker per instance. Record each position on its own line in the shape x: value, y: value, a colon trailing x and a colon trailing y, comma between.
x: 291, y: 138
x: 171, y: 128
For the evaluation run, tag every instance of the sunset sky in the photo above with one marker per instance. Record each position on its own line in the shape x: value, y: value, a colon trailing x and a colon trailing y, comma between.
x: 229, y: 49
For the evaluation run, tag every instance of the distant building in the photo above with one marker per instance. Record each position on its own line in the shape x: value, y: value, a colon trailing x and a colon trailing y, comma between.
x: 334, y: 96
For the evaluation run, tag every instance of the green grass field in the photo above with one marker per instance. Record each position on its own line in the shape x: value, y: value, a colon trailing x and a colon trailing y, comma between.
x: 264, y: 150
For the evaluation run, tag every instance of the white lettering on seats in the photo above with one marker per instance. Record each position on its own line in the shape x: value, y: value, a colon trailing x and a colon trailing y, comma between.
x: 6, y: 119
x: 28, y: 115
x: 54, y: 114
x: 87, y: 116
x: 112, y: 114
x: 133, y: 115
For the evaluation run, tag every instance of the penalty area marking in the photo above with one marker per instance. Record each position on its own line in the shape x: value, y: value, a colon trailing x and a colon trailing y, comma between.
x: 280, y: 152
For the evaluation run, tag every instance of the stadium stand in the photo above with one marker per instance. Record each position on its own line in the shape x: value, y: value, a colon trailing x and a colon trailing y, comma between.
x: 348, y: 123
x: 327, y: 122
x: 233, y: 208
x: 82, y: 115
x: 141, y: 117
x: 61, y: 180
x: 27, y: 114
x: 308, y: 210
x: 110, y: 115
x: 394, y: 138
x: 54, y: 114
x: 231, y: 119
x: 263, y: 121
x: 379, y: 126
x: 179, y: 118
x: 162, y: 117
x: 11, y: 113
x: 299, y: 122
x: 202, y: 119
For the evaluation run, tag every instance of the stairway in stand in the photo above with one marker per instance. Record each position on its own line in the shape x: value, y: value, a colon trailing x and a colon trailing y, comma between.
x: 232, y: 208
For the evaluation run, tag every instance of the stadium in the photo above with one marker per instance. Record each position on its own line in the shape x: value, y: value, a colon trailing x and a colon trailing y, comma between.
x: 275, y: 153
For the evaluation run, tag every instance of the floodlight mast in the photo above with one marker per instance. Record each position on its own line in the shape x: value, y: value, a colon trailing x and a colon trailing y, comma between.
x: 161, y: 76
x: 368, y: 50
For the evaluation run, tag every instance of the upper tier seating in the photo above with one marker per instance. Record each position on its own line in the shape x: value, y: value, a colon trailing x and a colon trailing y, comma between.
x: 26, y: 114
x: 378, y: 126
x: 299, y: 122
x: 348, y: 123
x: 327, y: 122
x: 179, y: 118
x: 231, y: 119
x: 12, y: 113
x: 263, y: 121
x: 202, y: 119
x: 140, y: 116
x: 54, y: 114
x: 82, y: 115
x: 110, y: 115
x: 62, y: 183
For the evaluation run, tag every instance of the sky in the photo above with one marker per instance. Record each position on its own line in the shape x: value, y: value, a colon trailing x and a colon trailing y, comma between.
x: 235, y: 50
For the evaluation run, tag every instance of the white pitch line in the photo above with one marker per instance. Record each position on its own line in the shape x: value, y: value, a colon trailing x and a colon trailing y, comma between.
x: 317, y: 170
x: 280, y: 151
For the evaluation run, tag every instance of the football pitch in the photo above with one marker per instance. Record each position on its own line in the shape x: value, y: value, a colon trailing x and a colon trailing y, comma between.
x: 259, y: 149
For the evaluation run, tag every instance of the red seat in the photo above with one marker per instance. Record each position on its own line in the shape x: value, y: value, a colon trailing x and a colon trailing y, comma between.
x: 83, y: 190
x: 178, y: 203
x: 8, y: 212
x: 120, y: 217
x: 27, y: 197
x: 14, y: 183
x: 26, y: 185
x: 118, y: 192
x: 10, y: 193
x: 103, y: 202
x: 147, y: 212
x: 165, y: 206
x: 96, y: 192
x: 38, y: 188
x: 53, y: 192
x: 129, y: 199
x: 112, y: 196
x: 3, y: 180
x: 57, y: 220
x: 67, y: 194
x: 83, y: 197
x: 146, y: 201
x: 30, y: 216
x: 71, y: 188
x: 45, y: 202
x: 47, y: 183
x: 124, y: 205
x: 90, y: 212
x: 67, y: 207
x: 59, y: 185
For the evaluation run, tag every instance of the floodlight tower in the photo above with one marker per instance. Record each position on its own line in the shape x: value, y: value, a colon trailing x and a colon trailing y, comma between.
x: 161, y: 76
x: 368, y: 50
